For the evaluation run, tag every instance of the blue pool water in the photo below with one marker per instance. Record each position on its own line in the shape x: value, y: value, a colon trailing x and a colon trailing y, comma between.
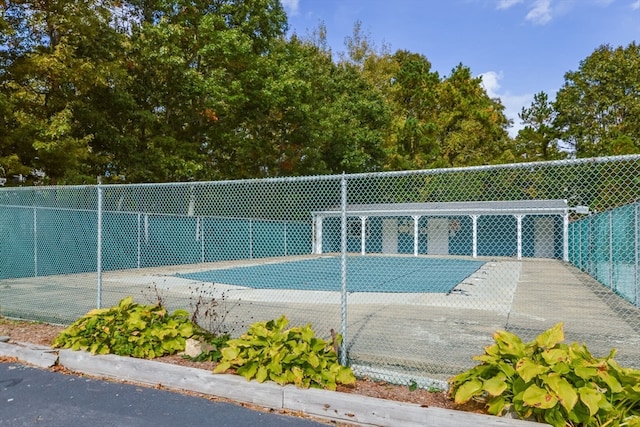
x: 365, y: 274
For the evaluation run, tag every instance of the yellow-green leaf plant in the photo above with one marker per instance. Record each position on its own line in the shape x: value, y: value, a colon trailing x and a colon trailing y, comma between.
x: 129, y: 329
x: 268, y: 351
x: 549, y: 381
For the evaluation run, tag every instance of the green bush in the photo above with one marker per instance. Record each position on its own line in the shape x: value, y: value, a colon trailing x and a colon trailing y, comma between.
x: 129, y: 329
x: 268, y: 351
x: 552, y: 382
x: 212, y: 350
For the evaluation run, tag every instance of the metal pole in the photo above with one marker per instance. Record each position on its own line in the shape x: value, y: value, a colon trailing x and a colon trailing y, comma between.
x: 579, y: 226
x: 285, y: 240
x: 343, y: 251
x: 35, y: 242
x: 317, y: 235
x: 565, y: 237
x: 635, y: 244
x: 99, y: 244
x: 592, y: 248
x: 250, y: 239
x: 139, y: 238
x: 363, y: 235
x: 519, y: 235
x: 416, y: 234
x: 474, y: 221
x: 201, y: 235
x: 611, y: 284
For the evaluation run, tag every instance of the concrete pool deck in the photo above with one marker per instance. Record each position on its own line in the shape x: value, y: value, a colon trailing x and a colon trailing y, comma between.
x: 406, y: 336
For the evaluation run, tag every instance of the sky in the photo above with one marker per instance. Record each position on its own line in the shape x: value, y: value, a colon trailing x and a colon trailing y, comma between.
x: 519, y: 47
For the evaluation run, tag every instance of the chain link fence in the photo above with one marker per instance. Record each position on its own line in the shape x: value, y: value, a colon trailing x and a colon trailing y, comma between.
x: 416, y: 269
x: 605, y: 246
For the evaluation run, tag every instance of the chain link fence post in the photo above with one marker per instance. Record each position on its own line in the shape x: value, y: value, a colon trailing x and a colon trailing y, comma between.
x: 343, y: 267
x: 99, y: 243
x: 636, y: 253
x: 35, y: 241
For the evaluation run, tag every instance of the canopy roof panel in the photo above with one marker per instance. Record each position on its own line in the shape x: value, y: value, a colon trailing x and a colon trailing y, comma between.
x: 512, y: 207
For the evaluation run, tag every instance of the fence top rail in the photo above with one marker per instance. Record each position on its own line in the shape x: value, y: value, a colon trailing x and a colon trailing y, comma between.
x: 513, y: 166
x: 315, y: 178
x: 152, y: 214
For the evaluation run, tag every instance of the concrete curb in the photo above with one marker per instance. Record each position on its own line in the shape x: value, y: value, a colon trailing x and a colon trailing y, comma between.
x: 330, y: 405
x: 43, y: 357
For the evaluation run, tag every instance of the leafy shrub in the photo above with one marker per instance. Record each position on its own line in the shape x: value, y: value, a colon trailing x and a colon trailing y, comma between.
x: 212, y: 348
x: 268, y: 351
x: 550, y: 381
x: 129, y: 329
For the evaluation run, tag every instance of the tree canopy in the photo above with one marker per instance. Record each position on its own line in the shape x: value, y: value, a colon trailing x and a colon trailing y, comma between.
x: 179, y: 90
x: 598, y: 107
x: 596, y: 112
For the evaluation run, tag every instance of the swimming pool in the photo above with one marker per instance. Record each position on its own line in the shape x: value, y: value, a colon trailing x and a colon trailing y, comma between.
x: 364, y: 274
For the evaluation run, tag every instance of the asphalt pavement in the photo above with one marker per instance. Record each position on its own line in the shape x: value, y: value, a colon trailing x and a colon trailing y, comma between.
x: 37, y: 397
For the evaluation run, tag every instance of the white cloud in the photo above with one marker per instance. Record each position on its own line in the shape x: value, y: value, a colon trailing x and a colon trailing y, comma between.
x: 506, y: 4
x: 635, y: 5
x: 513, y: 106
x: 512, y: 103
x: 490, y: 82
x: 291, y: 6
x: 540, y: 12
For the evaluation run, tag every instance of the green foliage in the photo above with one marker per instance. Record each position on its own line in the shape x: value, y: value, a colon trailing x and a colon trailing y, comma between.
x: 216, y: 343
x: 597, y: 107
x: 268, y: 351
x: 170, y: 91
x: 129, y: 329
x: 200, y: 90
x: 552, y: 382
x: 538, y: 140
x: 439, y: 121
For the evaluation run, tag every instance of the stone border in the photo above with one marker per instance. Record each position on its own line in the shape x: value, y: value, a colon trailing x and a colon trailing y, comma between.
x: 329, y: 405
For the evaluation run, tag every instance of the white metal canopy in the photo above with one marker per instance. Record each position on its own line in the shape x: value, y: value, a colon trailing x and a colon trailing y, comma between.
x: 515, y: 207
x: 474, y: 209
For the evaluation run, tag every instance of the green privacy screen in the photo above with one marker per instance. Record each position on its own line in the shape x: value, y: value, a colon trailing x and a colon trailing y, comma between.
x: 605, y: 245
x: 46, y: 241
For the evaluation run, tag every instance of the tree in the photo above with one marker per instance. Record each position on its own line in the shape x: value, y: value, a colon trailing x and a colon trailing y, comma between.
x: 359, y: 46
x: 193, y: 78
x: 280, y: 127
x: 598, y: 107
x: 137, y: 91
x: 538, y: 140
x: 413, y: 94
x: 470, y: 126
x: 53, y: 60
x: 436, y: 122
x: 355, y: 122
x: 175, y: 90
x: 311, y: 116
x: 61, y: 53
